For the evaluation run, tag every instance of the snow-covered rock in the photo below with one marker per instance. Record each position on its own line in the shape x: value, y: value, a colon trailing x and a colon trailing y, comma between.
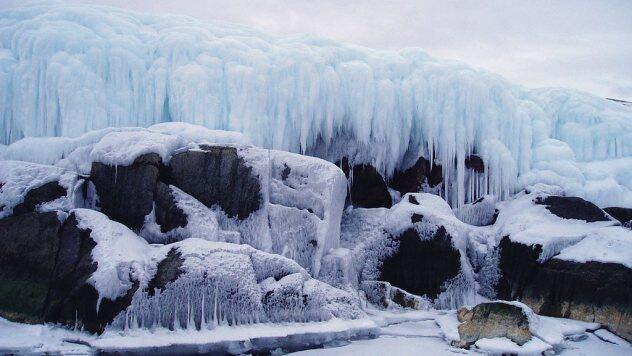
x: 494, y: 320
x: 107, y: 275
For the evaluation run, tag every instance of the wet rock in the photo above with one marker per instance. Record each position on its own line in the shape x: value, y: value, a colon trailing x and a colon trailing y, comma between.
x: 368, y: 187
x: 42, y: 194
x: 624, y: 215
x: 168, y: 215
x: 591, y: 291
x: 72, y: 298
x: 413, y: 179
x: 491, y: 320
x: 126, y: 193
x: 422, y: 266
x: 217, y: 175
x: 572, y: 208
x: 28, y: 248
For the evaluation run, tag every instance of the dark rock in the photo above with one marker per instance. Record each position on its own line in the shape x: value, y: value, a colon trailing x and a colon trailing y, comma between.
x: 28, y: 248
x: 412, y: 179
x: 168, y: 270
x: 71, y: 297
x: 422, y: 266
x: 45, y: 193
x: 217, y: 175
x: 368, y: 188
x: 168, y: 215
x: 415, y: 218
x: 491, y: 320
x: 413, y: 200
x: 572, y: 208
x: 624, y: 215
x: 591, y: 291
x: 475, y: 162
x: 126, y: 193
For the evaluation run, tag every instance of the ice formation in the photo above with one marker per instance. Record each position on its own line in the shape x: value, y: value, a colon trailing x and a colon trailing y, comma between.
x: 69, y: 69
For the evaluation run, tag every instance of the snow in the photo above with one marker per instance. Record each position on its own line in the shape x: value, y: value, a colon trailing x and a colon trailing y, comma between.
x: 68, y: 69
x: 120, y: 254
x: 18, y: 178
x: 122, y: 148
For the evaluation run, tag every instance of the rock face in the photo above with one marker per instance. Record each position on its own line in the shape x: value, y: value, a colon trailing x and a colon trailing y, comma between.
x: 168, y: 215
x: 126, y: 193
x: 71, y: 297
x: 591, y: 291
x: 475, y: 163
x: 422, y: 266
x: 45, y: 193
x: 572, y: 208
x: 28, y: 248
x: 368, y: 188
x: 217, y: 175
x: 491, y: 320
x: 624, y: 215
x: 413, y: 179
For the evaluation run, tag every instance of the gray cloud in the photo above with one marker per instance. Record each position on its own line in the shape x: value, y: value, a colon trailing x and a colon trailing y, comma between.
x: 580, y: 44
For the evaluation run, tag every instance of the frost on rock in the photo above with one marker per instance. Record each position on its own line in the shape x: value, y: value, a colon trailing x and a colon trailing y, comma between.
x: 302, y: 94
x: 227, y: 284
x: 18, y: 179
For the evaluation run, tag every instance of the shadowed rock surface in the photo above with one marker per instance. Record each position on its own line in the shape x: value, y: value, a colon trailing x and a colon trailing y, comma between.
x: 475, y: 162
x: 413, y: 179
x: 368, y: 188
x: 126, y: 193
x: 28, y: 245
x: 217, y: 175
x: 624, y: 215
x: 71, y: 297
x: 490, y: 320
x: 591, y: 291
x: 422, y: 266
x: 168, y: 215
x: 45, y: 193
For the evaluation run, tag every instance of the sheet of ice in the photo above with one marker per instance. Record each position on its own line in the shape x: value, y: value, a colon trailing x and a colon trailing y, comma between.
x: 502, y: 345
x: 107, y: 67
x: 594, y: 346
x: 17, y: 338
x: 18, y: 178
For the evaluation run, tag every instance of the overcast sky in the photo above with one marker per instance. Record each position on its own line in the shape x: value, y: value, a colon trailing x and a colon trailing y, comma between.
x: 571, y: 43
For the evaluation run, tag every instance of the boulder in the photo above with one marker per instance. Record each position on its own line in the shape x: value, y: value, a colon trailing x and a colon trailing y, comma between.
x: 42, y: 194
x: 72, y: 298
x: 421, y: 266
x: 368, y: 188
x: 126, y: 193
x: 414, y: 178
x: 491, y: 320
x: 572, y: 208
x: 28, y: 248
x: 590, y: 291
x: 217, y: 175
x: 624, y: 215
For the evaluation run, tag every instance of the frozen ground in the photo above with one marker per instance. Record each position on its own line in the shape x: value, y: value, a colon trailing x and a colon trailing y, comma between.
x: 395, y: 333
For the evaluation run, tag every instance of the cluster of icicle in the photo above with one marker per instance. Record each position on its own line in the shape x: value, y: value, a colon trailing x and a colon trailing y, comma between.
x: 68, y: 69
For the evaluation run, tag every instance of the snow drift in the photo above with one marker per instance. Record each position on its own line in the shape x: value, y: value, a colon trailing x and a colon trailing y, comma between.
x: 66, y: 70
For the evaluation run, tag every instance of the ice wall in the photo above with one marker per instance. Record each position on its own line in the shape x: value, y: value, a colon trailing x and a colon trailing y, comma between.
x: 67, y: 69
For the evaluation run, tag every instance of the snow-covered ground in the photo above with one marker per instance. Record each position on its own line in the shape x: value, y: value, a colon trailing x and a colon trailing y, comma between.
x: 382, y: 332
